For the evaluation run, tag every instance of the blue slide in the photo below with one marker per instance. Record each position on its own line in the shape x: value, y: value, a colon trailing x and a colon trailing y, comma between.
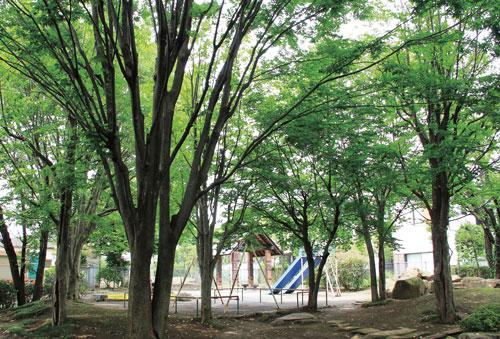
x: 291, y: 279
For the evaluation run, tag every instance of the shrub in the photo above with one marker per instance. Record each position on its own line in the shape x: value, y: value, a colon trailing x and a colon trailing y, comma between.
x: 48, y: 281
x: 352, y: 272
x: 471, y: 271
x: 111, y: 276
x: 485, y: 318
x: 7, y: 294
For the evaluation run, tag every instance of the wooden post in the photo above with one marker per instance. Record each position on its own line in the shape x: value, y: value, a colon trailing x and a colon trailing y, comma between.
x: 235, y: 264
x: 250, y: 269
x: 269, y: 266
x: 218, y: 271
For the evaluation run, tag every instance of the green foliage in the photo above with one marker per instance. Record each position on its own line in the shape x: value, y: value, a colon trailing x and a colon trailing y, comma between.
x: 469, y: 241
x: 7, y: 294
x: 486, y: 318
x: 473, y: 271
x: 111, y: 276
x: 352, y: 272
x: 48, y: 281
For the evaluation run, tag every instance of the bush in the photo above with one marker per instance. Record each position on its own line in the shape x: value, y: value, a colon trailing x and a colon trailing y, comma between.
x: 352, y: 272
x: 7, y: 294
x: 111, y: 276
x: 485, y: 318
x: 471, y: 271
x: 48, y: 281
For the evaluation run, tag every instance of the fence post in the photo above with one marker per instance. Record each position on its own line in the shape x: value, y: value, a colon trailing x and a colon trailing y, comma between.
x: 238, y: 305
x: 281, y: 296
x: 298, y: 300
x: 196, y: 307
x: 175, y: 304
x: 326, y: 295
x: 260, y: 295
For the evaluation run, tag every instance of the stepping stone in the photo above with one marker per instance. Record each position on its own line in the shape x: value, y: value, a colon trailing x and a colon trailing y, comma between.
x: 389, y: 333
x: 337, y: 323
x: 367, y: 330
x: 348, y: 328
x: 479, y: 335
x: 452, y: 332
x: 300, y: 317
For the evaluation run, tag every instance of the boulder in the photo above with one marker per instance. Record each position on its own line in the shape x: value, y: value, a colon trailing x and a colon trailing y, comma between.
x: 409, y: 288
x: 494, y: 283
x: 456, y: 278
x: 476, y: 282
x: 410, y: 273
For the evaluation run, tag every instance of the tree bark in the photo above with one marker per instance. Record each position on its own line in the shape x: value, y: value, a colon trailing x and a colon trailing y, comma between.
x: 63, y: 238
x: 15, y: 271
x: 312, y: 301
x: 381, y: 269
x: 74, y: 271
x: 40, y: 270
x: 371, y: 261
x: 443, y: 286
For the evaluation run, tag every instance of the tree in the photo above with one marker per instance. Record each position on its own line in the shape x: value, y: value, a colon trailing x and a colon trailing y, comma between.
x: 469, y: 243
x: 301, y: 200
x: 441, y: 89
x: 86, y: 86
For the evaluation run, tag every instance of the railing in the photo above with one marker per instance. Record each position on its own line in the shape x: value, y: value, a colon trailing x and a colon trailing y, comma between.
x: 229, y: 297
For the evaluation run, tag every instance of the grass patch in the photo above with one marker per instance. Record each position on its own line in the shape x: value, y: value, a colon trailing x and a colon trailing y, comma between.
x: 30, y: 310
x: 17, y: 329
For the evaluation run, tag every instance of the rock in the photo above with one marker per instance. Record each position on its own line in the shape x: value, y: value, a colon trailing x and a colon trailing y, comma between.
x: 347, y: 328
x: 456, y: 278
x: 356, y: 336
x: 389, y: 333
x: 410, y: 273
x: 428, y: 277
x: 479, y: 336
x: 450, y: 332
x: 494, y: 283
x: 366, y: 330
x: 300, y: 317
x: 409, y: 288
x: 336, y: 323
x: 473, y: 282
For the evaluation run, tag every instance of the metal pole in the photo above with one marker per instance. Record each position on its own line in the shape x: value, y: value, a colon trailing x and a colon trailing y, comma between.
x: 196, y: 307
x: 242, y: 290
x: 175, y: 304
x: 326, y: 295
x: 281, y: 296
x: 238, y: 305
x: 124, y: 296
x: 260, y: 295
x: 302, y: 298
x: 297, y: 300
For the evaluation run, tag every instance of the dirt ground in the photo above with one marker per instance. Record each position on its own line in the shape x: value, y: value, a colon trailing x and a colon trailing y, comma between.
x: 89, y: 321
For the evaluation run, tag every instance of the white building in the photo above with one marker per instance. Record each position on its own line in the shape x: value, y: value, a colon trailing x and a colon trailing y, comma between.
x: 414, y: 238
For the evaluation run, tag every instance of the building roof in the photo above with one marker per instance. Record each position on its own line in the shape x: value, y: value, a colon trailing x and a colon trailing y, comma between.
x: 265, y: 243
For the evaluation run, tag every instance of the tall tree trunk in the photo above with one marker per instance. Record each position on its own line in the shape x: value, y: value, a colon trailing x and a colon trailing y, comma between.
x: 74, y: 271
x: 312, y: 301
x: 381, y: 268
x: 371, y: 261
x: 497, y: 252
x: 14, y: 266
x: 489, y: 241
x: 63, y: 238
x: 443, y: 286
x: 163, y: 286
x: 140, y: 306
x: 40, y: 270
x: 204, y: 245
